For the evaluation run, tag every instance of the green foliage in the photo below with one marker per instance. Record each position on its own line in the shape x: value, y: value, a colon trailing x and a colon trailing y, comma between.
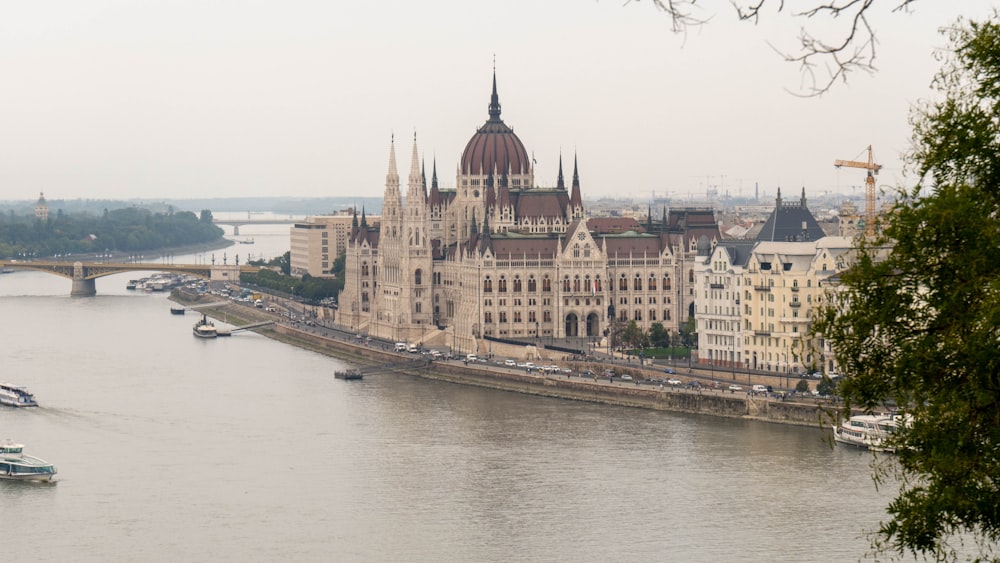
x: 633, y: 335
x: 915, y: 320
x: 309, y: 288
x: 658, y: 336
x: 802, y: 386
x: 129, y: 229
x: 826, y: 387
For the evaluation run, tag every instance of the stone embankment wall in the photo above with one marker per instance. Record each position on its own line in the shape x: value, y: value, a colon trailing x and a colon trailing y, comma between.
x: 676, y: 399
x: 717, y: 403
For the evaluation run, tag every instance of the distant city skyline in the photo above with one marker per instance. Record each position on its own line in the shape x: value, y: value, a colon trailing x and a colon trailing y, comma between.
x: 188, y: 100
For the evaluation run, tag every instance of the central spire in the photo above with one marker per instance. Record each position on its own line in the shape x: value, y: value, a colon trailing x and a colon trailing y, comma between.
x: 494, y: 100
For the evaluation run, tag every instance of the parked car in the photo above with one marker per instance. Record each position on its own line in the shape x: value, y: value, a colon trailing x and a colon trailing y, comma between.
x: 626, y: 377
x: 673, y: 381
x: 668, y: 371
x: 735, y: 388
x: 759, y: 389
x: 510, y: 363
x: 694, y: 384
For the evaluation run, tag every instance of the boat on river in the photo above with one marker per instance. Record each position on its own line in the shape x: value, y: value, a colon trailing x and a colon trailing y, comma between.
x: 869, y: 431
x: 204, y: 328
x: 177, y: 310
x: 16, y: 396
x: 15, y: 464
x: 349, y: 375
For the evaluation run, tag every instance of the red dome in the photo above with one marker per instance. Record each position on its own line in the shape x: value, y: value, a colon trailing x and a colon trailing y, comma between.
x: 495, y: 146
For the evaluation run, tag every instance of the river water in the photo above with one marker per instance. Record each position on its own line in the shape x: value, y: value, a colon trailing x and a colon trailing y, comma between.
x: 171, y: 448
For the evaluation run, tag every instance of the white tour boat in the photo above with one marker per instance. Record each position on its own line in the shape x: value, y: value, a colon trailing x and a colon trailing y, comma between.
x: 870, y: 431
x: 16, y: 396
x: 15, y: 464
x: 204, y: 328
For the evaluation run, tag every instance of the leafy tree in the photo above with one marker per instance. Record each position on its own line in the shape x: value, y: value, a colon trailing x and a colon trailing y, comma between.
x: 916, y: 319
x: 658, y: 336
x: 802, y: 386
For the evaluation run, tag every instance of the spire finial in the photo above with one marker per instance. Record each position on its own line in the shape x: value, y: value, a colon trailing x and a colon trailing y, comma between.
x: 494, y: 99
x: 560, y: 183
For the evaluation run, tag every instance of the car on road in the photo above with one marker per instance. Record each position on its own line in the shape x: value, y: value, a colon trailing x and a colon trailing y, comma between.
x: 587, y: 373
x: 669, y: 371
x: 735, y: 388
x: 694, y: 384
x: 760, y: 388
x: 510, y: 363
x: 673, y: 381
x: 626, y: 377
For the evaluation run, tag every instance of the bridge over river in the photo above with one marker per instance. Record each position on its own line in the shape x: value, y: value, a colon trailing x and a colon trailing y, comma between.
x: 83, y: 274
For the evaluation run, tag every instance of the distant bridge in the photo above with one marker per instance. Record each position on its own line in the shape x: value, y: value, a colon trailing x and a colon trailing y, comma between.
x: 83, y: 274
x: 251, y: 220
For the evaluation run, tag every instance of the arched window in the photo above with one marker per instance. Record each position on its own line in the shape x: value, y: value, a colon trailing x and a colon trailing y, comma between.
x: 586, y: 250
x: 566, y: 284
x: 488, y: 317
x: 487, y: 285
x: 546, y: 283
x: 666, y: 282
x: 652, y: 282
x: 576, y: 284
x: 691, y: 276
x: 597, y: 283
x: 364, y: 269
x: 638, y: 315
x: 418, y: 277
x: 623, y: 283
x: 576, y: 251
x: 517, y: 284
x: 531, y: 283
x: 502, y: 285
x: 652, y: 314
x: 637, y: 283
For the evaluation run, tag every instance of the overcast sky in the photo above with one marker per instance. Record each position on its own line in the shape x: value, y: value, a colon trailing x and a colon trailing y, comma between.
x: 198, y: 98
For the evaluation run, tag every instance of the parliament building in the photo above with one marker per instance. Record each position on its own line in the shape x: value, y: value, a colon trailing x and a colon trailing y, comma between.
x: 499, y: 257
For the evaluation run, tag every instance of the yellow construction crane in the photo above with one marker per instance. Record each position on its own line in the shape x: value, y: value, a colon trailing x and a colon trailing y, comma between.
x: 872, y: 169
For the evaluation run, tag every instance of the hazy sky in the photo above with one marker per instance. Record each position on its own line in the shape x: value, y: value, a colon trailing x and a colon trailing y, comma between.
x: 200, y: 98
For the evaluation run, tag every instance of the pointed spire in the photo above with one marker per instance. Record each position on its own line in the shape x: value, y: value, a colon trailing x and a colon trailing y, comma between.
x: 560, y: 183
x: 364, y: 220
x: 649, y: 219
x: 392, y: 175
x: 664, y: 216
x: 486, y: 225
x: 415, y: 185
x: 354, y: 220
x: 494, y: 100
x: 576, y: 173
x: 575, y: 199
x: 474, y: 227
x: 434, y: 174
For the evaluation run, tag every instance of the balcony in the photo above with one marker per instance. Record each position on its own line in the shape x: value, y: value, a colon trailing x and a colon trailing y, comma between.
x: 762, y: 333
x: 762, y: 288
x: 716, y: 286
x: 795, y: 288
x: 795, y: 304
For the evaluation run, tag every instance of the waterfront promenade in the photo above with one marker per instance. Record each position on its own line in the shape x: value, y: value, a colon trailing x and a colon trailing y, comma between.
x: 329, y: 339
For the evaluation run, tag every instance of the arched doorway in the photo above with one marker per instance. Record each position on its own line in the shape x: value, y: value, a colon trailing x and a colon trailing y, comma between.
x: 572, y: 325
x: 593, y: 324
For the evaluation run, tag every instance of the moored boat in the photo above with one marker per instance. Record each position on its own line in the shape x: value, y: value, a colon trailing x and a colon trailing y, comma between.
x: 869, y: 431
x: 16, y: 396
x: 15, y: 464
x: 177, y: 310
x: 350, y: 375
x: 204, y: 328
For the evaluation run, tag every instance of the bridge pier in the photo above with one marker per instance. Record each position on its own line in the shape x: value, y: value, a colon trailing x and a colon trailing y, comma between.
x: 82, y: 287
x: 236, y: 230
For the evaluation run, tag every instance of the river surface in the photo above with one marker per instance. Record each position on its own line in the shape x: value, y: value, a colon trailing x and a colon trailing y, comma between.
x: 171, y: 448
